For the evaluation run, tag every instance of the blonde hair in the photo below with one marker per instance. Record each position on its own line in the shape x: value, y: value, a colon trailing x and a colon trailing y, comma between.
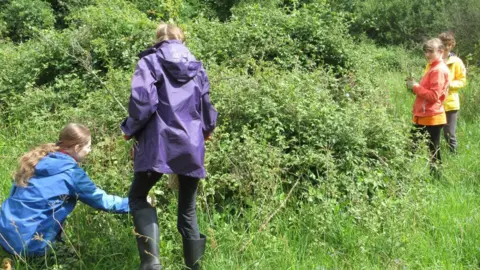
x: 433, y: 44
x: 448, y: 38
x: 166, y: 31
x: 70, y: 136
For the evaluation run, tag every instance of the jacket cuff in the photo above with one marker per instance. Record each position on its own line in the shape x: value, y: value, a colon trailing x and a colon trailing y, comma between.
x: 125, y: 129
x: 416, y: 87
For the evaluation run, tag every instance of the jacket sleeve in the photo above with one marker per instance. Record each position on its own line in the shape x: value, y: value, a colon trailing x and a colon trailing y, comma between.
x: 143, y: 99
x: 208, y: 112
x: 459, y: 77
x: 436, y: 86
x: 88, y: 193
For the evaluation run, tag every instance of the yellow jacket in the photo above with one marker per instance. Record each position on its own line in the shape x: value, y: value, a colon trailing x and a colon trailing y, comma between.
x: 458, y: 79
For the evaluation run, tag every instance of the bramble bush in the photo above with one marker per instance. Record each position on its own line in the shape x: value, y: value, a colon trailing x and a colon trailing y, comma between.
x: 396, y: 22
x: 411, y: 22
x: 24, y: 17
x: 311, y: 37
x: 114, y: 32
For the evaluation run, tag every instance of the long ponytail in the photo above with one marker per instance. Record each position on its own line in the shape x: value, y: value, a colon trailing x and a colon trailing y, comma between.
x: 28, y: 161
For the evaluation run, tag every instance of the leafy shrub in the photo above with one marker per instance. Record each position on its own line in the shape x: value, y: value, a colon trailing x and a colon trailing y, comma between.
x: 404, y: 22
x: 276, y: 129
x: 410, y: 22
x: 99, y: 38
x: 15, y: 71
x: 62, y: 8
x: 160, y: 10
x: 308, y: 38
x: 40, y: 62
x: 24, y: 17
x: 464, y: 19
x: 3, y: 28
x: 222, y: 9
x: 114, y: 32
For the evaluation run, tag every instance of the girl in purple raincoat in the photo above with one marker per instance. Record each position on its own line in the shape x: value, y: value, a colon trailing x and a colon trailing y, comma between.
x: 170, y: 117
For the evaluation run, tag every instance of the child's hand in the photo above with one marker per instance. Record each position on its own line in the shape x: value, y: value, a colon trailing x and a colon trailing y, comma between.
x: 410, y: 83
x: 208, y: 137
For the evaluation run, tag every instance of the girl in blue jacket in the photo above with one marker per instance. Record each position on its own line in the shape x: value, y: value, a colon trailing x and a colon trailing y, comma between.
x: 48, y: 184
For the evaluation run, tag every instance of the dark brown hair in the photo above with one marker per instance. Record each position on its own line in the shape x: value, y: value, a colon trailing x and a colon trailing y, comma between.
x: 447, y: 38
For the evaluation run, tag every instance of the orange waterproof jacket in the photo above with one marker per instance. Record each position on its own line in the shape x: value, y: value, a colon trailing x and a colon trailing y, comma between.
x: 458, y: 79
x: 431, y: 91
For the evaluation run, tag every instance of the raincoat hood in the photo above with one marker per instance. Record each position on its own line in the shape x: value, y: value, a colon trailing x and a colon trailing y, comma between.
x: 54, y: 163
x: 176, y: 59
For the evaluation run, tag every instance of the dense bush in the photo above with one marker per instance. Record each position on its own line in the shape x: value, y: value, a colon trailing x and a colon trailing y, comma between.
x: 3, y: 28
x: 24, y: 17
x: 114, y: 32
x: 62, y: 8
x: 408, y: 22
x: 309, y: 38
x: 276, y: 128
x: 50, y: 61
x: 102, y: 36
x: 411, y: 22
x: 291, y: 126
x: 160, y: 9
x: 464, y: 18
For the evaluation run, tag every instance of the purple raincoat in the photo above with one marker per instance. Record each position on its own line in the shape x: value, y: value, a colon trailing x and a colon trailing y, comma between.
x: 170, y: 112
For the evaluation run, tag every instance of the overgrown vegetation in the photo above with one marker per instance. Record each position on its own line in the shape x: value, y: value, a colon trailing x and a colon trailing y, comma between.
x: 310, y: 164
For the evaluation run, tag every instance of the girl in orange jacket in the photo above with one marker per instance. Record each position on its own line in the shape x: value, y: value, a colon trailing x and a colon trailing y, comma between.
x: 428, y: 111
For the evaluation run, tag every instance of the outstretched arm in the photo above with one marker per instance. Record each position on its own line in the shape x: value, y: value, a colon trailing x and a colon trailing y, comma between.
x: 95, y: 197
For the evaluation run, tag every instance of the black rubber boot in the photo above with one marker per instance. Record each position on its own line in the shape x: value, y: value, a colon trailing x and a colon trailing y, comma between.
x: 147, y: 234
x: 193, y: 251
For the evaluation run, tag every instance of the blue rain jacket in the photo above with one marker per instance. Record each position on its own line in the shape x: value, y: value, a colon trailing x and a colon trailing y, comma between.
x: 31, y: 217
x: 170, y: 113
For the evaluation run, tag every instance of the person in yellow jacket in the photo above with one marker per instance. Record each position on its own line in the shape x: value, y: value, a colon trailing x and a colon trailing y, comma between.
x: 458, y: 80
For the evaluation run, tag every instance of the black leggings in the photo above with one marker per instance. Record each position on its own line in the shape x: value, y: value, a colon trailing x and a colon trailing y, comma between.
x: 187, y: 224
x: 433, y: 135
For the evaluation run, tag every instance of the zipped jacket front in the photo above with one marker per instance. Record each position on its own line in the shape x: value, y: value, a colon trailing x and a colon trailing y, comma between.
x: 431, y: 91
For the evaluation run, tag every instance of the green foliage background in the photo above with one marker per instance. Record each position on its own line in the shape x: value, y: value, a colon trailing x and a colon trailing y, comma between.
x: 313, y: 114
